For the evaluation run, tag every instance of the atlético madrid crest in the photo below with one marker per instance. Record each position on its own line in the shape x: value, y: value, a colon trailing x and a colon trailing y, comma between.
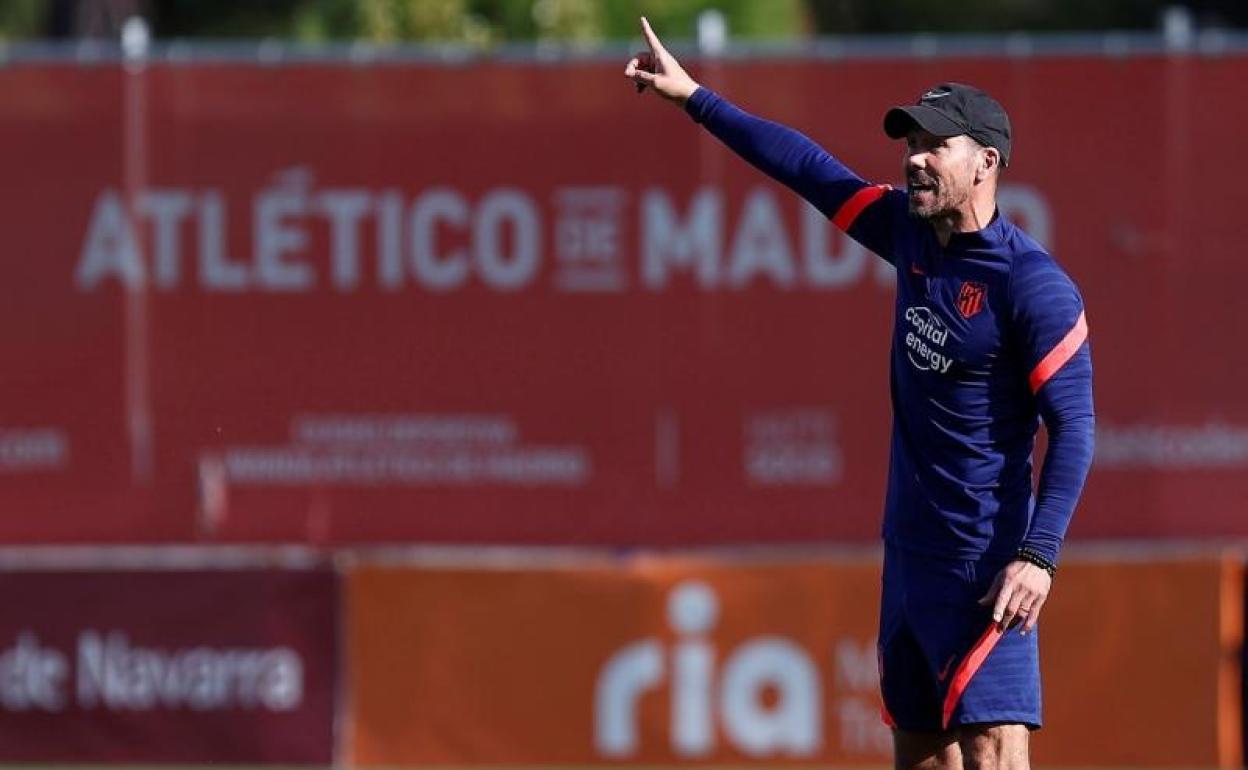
x: 971, y: 298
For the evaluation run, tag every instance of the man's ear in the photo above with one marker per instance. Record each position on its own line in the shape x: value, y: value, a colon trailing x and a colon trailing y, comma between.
x: 989, y: 164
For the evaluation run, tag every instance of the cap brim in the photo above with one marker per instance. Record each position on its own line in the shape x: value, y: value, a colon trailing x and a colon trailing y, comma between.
x: 899, y: 120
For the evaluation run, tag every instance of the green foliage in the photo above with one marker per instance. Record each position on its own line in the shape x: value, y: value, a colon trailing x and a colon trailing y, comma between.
x: 477, y: 22
x: 488, y: 22
x: 833, y: 17
x: 21, y: 19
x: 675, y: 19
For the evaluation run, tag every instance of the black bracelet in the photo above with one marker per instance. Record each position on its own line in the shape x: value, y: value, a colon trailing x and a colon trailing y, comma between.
x: 1035, y: 557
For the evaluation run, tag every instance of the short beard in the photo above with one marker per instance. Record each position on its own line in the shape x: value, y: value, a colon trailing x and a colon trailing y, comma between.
x: 943, y: 206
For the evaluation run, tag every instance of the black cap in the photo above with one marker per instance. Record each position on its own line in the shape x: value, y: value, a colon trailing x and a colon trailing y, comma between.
x: 950, y: 109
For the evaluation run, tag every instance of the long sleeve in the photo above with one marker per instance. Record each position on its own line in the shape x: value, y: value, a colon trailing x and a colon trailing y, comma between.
x: 792, y: 159
x: 1054, y: 331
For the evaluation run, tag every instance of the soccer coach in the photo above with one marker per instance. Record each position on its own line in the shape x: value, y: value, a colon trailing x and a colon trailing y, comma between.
x: 989, y: 337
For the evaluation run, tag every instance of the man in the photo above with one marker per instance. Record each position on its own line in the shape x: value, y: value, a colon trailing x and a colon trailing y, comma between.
x: 989, y: 336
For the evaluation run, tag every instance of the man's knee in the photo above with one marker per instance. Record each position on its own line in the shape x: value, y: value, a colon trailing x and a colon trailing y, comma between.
x: 994, y: 747
x: 926, y: 751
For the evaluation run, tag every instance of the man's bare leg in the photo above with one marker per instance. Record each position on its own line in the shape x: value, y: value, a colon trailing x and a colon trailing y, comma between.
x: 926, y: 751
x: 994, y: 747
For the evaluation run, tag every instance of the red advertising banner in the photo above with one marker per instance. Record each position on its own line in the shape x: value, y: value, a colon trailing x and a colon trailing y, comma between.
x: 344, y: 303
x: 185, y: 667
x: 667, y: 661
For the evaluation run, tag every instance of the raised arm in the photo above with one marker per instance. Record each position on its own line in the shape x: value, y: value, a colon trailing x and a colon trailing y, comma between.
x: 782, y: 153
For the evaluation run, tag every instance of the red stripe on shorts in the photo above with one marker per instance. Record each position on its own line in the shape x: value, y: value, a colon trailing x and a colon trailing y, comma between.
x: 970, y: 665
x: 887, y: 716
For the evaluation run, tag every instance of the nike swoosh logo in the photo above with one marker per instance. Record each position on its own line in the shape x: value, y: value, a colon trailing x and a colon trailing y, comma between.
x: 945, y: 673
x: 917, y: 270
x: 936, y: 94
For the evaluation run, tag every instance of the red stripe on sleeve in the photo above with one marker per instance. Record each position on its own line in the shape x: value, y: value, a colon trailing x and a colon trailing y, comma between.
x: 970, y: 665
x: 851, y: 208
x: 1059, y: 355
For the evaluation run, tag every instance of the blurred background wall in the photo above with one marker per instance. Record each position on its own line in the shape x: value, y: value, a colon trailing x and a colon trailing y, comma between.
x: 386, y: 383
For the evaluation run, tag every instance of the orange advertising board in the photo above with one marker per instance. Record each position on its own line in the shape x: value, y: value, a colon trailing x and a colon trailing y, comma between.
x: 670, y: 660
x: 1141, y: 664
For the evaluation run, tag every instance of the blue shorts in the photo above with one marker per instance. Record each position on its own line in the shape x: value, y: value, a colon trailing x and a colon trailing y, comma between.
x: 943, y: 661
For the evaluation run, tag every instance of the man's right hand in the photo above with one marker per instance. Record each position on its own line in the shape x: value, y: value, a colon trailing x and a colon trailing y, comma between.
x: 658, y: 71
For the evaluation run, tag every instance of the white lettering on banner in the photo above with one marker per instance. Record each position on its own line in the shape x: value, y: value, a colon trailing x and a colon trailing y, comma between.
x: 631, y: 672
x: 406, y: 449
x: 761, y: 247
x: 692, y: 611
x: 1215, y: 445
x: 761, y: 244
x: 498, y: 211
x: 276, y: 235
x: 439, y: 271
x: 794, y: 446
x: 32, y: 677
x: 445, y: 429
x: 111, y: 248
x: 114, y: 675
x: 665, y: 243
x: 766, y: 696
x: 439, y: 240
x: 588, y: 242
x: 857, y: 667
x: 283, y: 466
x: 390, y: 240
x: 840, y: 269
x: 792, y: 726
x: 217, y: 272
x: 166, y: 209
x: 345, y: 210
x: 499, y: 270
x: 33, y: 450
x: 862, y: 731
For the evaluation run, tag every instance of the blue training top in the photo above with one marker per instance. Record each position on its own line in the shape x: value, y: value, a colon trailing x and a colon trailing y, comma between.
x: 989, y: 336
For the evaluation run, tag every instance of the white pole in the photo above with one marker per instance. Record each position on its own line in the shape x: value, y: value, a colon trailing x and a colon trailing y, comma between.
x: 135, y: 41
x: 1177, y: 28
x: 712, y: 32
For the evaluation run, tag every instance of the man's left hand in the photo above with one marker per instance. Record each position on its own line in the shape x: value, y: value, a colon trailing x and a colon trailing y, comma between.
x: 1018, y: 594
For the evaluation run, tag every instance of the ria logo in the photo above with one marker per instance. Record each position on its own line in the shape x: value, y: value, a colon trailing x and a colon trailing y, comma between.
x: 766, y: 695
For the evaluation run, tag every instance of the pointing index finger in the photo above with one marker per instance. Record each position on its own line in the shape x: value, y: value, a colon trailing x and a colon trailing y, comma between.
x: 652, y: 39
